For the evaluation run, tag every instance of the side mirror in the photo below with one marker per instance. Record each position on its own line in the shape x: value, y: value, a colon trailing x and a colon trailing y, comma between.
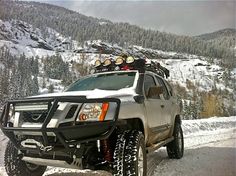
x: 155, y: 91
x: 139, y: 99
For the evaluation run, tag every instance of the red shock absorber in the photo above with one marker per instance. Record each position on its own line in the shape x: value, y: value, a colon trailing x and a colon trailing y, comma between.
x: 107, y: 150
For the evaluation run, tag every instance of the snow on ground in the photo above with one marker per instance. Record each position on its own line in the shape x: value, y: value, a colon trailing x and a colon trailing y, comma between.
x: 199, y: 127
x: 212, y: 159
x: 57, y: 85
x: 210, y: 150
x: 198, y: 71
x: 22, y: 33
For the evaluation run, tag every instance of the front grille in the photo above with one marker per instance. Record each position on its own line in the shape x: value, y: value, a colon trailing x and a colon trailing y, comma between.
x: 71, y: 112
x: 34, y: 116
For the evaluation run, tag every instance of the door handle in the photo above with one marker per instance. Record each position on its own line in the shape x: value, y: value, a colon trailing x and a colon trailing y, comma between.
x: 162, y: 106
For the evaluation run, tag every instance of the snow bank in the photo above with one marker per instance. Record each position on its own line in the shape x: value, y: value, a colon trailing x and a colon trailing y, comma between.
x: 201, y: 126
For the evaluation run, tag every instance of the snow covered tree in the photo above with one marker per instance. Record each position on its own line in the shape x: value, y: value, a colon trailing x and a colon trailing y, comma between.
x: 51, y: 88
x: 56, y: 68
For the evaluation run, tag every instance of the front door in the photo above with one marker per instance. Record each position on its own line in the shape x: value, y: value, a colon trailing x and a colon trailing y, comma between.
x: 154, y: 110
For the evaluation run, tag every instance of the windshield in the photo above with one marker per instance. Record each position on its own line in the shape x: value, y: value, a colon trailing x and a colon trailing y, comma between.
x: 108, y: 81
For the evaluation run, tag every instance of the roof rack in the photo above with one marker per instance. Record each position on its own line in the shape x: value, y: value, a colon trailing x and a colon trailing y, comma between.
x: 125, y: 62
x: 157, y: 68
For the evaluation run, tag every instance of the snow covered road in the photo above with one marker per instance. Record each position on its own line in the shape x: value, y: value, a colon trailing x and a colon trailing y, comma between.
x: 210, y: 150
x: 215, y: 158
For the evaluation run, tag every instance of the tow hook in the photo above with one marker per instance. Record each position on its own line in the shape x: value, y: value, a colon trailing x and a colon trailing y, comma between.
x: 31, y: 143
x: 46, y: 149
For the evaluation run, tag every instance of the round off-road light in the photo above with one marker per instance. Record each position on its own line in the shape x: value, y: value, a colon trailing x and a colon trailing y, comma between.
x: 119, y: 60
x: 129, y: 60
x: 107, y: 62
x: 97, y: 63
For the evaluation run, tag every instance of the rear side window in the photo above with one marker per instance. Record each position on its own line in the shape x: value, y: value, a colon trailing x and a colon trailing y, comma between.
x: 165, y: 92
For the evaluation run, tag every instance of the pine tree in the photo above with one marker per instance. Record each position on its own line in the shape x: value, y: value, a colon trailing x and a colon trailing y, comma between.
x: 35, y: 86
x: 51, y: 88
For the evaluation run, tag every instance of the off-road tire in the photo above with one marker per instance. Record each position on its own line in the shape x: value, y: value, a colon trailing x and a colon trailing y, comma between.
x: 175, y: 149
x: 126, y: 155
x: 118, y: 164
x: 16, y: 167
x: 133, y: 160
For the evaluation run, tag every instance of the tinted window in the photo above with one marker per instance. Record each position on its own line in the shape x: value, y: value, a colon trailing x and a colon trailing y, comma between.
x: 148, y: 82
x: 111, y: 81
x: 169, y: 88
x: 165, y: 92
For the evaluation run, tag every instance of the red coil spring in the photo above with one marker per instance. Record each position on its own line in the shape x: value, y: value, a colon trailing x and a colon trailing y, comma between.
x: 107, y: 151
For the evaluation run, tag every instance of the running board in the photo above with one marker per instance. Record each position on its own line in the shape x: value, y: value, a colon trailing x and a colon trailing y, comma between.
x: 154, y: 147
x: 76, y: 164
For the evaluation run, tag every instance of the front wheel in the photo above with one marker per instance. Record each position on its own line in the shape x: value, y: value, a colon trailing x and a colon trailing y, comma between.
x: 175, y: 149
x: 16, y: 167
x: 130, y: 155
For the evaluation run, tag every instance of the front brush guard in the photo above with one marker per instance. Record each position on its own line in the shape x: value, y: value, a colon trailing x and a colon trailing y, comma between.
x: 68, y: 135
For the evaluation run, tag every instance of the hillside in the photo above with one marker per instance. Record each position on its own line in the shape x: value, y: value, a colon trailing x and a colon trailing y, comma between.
x: 82, y: 28
x: 56, y: 60
x: 224, y: 38
x: 228, y: 32
x: 22, y: 37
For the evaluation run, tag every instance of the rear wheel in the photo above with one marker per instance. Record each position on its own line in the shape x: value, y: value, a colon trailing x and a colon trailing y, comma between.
x: 175, y: 149
x: 16, y: 167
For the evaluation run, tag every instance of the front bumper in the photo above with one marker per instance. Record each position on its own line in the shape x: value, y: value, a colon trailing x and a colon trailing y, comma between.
x: 65, y: 138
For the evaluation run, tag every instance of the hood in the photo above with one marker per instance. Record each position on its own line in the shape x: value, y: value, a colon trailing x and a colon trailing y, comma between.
x: 97, y: 93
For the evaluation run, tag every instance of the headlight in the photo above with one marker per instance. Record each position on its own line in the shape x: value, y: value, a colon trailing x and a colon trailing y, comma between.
x: 93, y: 112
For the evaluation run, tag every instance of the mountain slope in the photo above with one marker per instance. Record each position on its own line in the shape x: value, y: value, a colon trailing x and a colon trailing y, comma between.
x: 224, y: 38
x: 228, y: 32
x: 194, y: 77
x: 82, y: 28
x: 22, y: 37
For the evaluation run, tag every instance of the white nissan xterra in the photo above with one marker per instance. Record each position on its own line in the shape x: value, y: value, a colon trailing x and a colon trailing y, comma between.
x: 106, y: 121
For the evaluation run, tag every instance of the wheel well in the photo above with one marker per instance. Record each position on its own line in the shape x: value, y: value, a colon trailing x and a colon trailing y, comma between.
x: 131, y: 124
x: 177, y: 119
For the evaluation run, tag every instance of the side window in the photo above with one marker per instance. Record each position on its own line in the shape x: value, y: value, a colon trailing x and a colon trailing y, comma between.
x: 148, y: 82
x: 165, y: 92
x: 169, y: 88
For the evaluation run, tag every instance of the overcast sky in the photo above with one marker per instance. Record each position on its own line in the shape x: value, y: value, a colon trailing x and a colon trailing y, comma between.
x: 186, y: 17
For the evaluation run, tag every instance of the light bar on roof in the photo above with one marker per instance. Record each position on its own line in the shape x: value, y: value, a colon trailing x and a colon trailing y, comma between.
x: 97, y: 63
x: 129, y: 60
x: 119, y: 60
x: 130, y: 63
x: 107, y: 62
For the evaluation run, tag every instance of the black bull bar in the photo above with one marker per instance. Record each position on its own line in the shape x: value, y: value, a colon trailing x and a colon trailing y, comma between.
x: 66, y: 135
